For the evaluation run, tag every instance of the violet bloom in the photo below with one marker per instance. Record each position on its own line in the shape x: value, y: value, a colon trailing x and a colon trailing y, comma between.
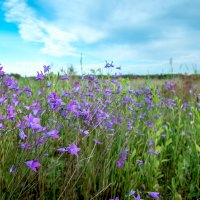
x: 2, y: 126
x: 21, y: 125
x: 39, y: 92
x: 53, y: 134
x: 46, y: 68
x: 1, y: 71
x: 97, y: 142
x: 54, y: 101
x: 154, y: 195
x: 49, y: 84
x: 62, y: 150
x: 40, y: 76
x: 131, y: 193
x: 12, y: 169
x: 150, y: 124
x: 153, y: 152
x: 108, y: 65
x: 116, y: 198
x: 140, y: 163
x: 22, y: 135
x: 25, y: 145
x: 138, y: 197
x: 33, y: 164
x: 32, y: 122
x: 84, y: 132
x: 120, y: 163
x: 73, y: 107
x: 27, y: 89
x: 73, y: 149
x: 36, y: 108
x: 11, y: 111
x: 123, y: 158
x: 64, y: 77
x: 39, y: 141
x: 151, y: 143
x: 163, y: 135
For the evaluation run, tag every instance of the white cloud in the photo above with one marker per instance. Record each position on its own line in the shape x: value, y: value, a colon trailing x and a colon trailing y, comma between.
x: 25, y: 68
x: 133, y: 13
x: 87, y: 34
x: 56, y: 42
x: 178, y: 43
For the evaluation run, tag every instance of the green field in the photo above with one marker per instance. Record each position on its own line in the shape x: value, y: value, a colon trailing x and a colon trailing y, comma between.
x: 99, y: 137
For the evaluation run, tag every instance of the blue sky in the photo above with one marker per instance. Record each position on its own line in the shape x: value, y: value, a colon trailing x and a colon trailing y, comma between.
x: 140, y: 36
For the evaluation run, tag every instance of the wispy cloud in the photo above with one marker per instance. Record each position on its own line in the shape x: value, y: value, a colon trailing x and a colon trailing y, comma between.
x: 55, y: 41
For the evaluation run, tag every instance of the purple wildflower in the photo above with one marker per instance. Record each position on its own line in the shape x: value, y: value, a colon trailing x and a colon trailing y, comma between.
x: 73, y: 149
x: 155, y: 153
x: 140, y: 163
x: 21, y: 125
x: 120, y: 163
x: 39, y: 141
x: 116, y: 198
x: 33, y: 164
x: 39, y: 92
x: 54, y: 101
x: 46, y: 68
x: 12, y: 169
x: 97, y: 142
x: 49, y: 84
x: 25, y: 145
x: 163, y: 135
x: 150, y: 124
x: 40, y: 76
x: 2, y: 126
x: 64, y: 77
x: 84, y: 132
x: 32, y: 122
x: 62, y: 150
x: 1, y: 71
x: 123, y: 158
x: 131, y: 193
x: 22, y: 135
x: 108, y: 65
x: 150, y: 150
x: 154, y: 195
x: 151, y: 143
x: 27, y: 89
x: 138, y: 197
x: 53, y: 134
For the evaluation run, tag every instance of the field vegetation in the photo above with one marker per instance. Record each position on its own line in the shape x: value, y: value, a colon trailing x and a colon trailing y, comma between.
x: 99, y: 137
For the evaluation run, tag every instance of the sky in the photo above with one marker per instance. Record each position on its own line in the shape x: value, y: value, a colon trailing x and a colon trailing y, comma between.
x: 143, y: 37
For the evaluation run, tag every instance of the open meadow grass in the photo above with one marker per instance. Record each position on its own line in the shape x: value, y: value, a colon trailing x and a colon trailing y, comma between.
x: 99, y: 138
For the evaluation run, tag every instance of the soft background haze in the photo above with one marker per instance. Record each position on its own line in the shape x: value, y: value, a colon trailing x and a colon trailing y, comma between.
x: 141, y: 36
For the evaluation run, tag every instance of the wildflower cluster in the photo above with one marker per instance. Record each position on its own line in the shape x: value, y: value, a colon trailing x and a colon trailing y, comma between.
x: 92, y: 133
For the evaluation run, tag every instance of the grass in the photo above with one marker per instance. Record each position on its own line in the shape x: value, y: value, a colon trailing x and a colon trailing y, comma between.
x: 149, y: 138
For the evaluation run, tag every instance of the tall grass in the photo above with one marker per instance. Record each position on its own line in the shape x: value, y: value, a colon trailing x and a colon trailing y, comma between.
x: 142, y: 138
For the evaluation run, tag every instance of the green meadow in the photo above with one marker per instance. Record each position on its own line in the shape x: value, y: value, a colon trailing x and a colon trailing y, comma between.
x: 99, y: 137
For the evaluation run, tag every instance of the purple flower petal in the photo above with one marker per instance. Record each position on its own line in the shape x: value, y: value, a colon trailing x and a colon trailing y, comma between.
x: 12, y: 169
x: 53, y: 134
x: 154, y: 195
x: 73, y: 149
x: 33, y: 164
x: 97, y: 142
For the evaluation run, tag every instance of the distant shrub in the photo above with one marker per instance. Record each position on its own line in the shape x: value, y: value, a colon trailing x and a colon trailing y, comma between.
x: 16, y: 76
